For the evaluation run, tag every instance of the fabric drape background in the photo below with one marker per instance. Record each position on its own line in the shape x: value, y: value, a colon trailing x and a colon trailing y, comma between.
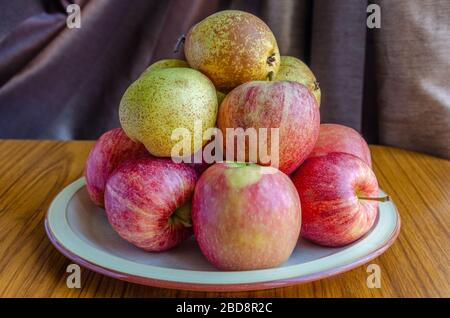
x: 392, y: 84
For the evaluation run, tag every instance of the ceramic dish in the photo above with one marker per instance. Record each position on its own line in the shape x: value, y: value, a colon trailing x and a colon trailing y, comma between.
x: 80, y: 230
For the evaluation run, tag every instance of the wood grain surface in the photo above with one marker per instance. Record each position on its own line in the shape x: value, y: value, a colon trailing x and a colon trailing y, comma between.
x: 33, y: 172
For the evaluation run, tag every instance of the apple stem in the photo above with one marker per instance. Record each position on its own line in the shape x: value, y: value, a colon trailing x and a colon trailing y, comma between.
x: 182, y: 215
x: 180, y: 42
x: 270, y: 76
x: 379, y: 199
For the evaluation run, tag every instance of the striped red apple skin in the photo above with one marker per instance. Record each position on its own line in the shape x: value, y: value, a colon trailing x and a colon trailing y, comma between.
x: 144, y: 199
x: 340, y: 138
x: 286, y: 105
x: 111, y: 149
x: 330, y: 187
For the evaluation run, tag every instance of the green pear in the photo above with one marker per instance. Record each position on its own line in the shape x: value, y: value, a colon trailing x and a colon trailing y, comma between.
x: 169, y: 63
x: 162, y: 100
x: 166, y: 63
x: 293, y: 69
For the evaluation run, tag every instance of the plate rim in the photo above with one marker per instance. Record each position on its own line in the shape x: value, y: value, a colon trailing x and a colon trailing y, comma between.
x: 142, y: 280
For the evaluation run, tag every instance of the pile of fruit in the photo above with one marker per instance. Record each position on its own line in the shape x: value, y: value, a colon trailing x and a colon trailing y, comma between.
x: 245, y: 214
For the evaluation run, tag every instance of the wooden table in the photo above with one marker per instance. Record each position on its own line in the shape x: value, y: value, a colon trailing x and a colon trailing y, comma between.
x: 33, y: 172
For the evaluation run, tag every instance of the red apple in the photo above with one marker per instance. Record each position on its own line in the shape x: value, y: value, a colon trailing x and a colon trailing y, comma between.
x: 245, y: 216
x: 338, y: 192
x: 111, y: 149
x: 147, y: 202
x: 339, y: 138
x: 286, y: 105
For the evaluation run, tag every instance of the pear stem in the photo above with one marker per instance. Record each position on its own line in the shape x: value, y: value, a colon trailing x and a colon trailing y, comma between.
x: 316, y: 85
x: 270, y: 76
x: 271, y: 59
x: 180, y: 42
x: 379, y: 199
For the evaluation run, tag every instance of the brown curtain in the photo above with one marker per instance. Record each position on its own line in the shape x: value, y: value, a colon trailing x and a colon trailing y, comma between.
x: 391, y: 84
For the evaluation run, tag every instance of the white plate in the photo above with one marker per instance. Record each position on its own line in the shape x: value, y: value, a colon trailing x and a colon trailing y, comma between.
x: 81, y: 231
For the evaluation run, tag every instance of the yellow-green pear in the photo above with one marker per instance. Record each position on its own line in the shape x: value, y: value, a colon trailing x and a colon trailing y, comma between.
x: 293, y: 69
x: 164, y: 105
x: 168, y: 63
x: 232, y: 47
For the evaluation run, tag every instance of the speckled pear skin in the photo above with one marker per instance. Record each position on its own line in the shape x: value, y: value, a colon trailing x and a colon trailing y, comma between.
x: 293, y: 69
x: 165, y: 99
x: 167, y: 63
x: 232, y: 47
